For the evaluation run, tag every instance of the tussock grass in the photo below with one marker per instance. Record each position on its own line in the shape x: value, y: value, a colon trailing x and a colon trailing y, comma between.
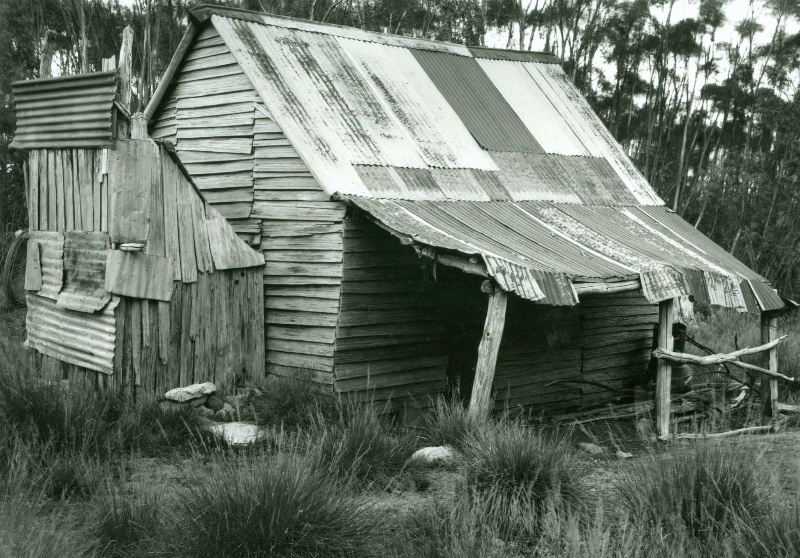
x: 362, y: 442
x: 701, y: 493
x: 448, y: 424
x: 291, y: 403
x: 280, y: 505
x: 518, y: 461
x: 125, y: 525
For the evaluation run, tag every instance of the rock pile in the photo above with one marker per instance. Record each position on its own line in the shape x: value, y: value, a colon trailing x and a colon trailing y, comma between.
x: 206, y: 401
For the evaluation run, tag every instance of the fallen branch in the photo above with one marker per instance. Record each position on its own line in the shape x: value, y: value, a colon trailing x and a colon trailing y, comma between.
x: 730, y: 433
x: 721, y: 358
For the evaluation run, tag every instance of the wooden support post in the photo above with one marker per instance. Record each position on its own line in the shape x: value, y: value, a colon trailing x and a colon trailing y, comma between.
x: 769, y: 384
x: 487, y: 352
x: 666, y: 316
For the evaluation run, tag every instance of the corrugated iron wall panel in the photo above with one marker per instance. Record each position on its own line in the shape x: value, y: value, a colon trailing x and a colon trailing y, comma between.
x: 67, y: 111
x: 86, y: 340
x: 479, y: 104
x: 408, y: 93
x: 534, y: 107
x: 51, y: 258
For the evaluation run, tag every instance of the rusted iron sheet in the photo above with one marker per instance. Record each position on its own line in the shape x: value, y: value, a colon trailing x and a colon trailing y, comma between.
x: 227, y: 249
x: 86, y: 340
x: 332, y: 91
x: 766, y: 296
x: 403, y: 87
x: 588, y: 126
x: 513, y: 55
x: 561, y: 178
x: 66, y: 111
x: 84, y: 272
x: 484, y: 111
x: 514, y: 278
x: 134, y: 170
x: 204, y: 12
x: 534, y: 107
x: 139, y: 275
x: 321, y: 148
x: 51, y: 259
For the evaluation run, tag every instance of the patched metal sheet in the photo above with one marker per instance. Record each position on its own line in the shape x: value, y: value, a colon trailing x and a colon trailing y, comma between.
x: 528, y: 176
x: 331, y: 89
x: 66, y: 111
x: 408, y: 93
x: 320, y: 147
x: 478, y: 103
x: 84, y: 271
x: 51, y: 259
x: 534, y: 107
x: 86, y: 340
x: 588, y: 126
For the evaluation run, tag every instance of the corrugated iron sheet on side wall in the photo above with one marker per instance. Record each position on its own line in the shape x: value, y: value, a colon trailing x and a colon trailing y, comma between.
x: 84, y: 271
x: 86, y: 340
x: 66, y: 111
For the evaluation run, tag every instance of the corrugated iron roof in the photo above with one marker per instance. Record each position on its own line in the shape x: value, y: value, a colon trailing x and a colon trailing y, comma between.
x: 86, y: 340
x: 513, y: 55
x: 487, y: 115
x: 536, y: 248
x: 66, y: 111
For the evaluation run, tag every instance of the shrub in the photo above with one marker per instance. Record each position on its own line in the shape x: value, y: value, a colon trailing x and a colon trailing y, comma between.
x: 69, y: 475
x: 361, y: 443
x: 701, y: 492
x: 290, y: 402
x: 275, y: 506
x: 448, y: 424
x: 518, y: 461
x: 124, y: 525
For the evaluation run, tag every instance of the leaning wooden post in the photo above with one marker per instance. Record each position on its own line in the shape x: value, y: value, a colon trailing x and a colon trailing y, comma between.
x: 769, y: 384
x: 666, y: 316
x: 487, y: 351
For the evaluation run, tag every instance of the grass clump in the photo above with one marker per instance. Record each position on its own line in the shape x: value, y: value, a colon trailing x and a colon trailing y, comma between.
x: 292, y: 402
x: 515, y: 460
x: 448, y: 424
x: 271, y: 506
x: 362, y: 443
x: 125, y: 526
x: 702, y: 493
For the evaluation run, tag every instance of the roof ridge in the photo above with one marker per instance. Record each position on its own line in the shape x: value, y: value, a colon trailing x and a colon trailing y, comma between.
x: 203, y: 12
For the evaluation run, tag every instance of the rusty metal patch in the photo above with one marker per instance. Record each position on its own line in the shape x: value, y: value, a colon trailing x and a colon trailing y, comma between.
x: 84, y: 271
x: 51, y: 250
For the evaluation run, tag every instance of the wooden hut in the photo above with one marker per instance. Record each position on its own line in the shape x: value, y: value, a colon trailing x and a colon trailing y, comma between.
x: 431, y: 215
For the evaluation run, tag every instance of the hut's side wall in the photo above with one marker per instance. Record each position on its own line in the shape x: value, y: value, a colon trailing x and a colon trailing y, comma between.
x: 211, y: 331
x: 247, y: 169
x: 67, y: 190
x: 389, y: 340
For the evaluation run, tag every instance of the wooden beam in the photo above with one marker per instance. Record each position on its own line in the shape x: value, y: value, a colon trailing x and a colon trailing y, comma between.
x: 607, y: 288
x: 666, y: 317
x: 166, y: 79
x: 487, y: 355
x: 769, y: 384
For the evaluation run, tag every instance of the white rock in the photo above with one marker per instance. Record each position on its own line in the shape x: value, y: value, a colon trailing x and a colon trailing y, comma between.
x: 590, y: 448
x: 194, y: 391
x: 238, y: 433
x: 623, y: 454
x: 434, y: 454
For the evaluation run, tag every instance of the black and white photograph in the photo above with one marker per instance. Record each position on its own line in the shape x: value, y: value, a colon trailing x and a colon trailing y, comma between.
x: 400, y: 279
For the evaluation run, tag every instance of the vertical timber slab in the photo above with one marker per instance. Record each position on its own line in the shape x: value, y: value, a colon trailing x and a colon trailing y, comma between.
x: 488, y: 349
x: 666, y: 317
x: 769, y: 384
x: 41, y: 156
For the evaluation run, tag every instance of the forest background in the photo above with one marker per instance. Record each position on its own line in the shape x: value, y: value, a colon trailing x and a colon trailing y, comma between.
x: 707, y: 106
